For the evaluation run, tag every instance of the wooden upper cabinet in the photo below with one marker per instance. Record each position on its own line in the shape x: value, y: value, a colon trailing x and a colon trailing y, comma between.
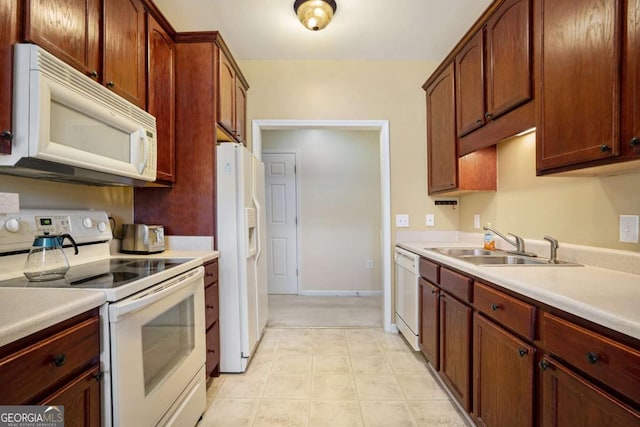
x: 226, y: 93
x: 8, y: 36
x: 442, y: 157
x: 69, y: 29
x: 578, y: 81
x: 161, y: 94
x: 241, y: 112
x: 470, y: 97
x: 508, y: 58
x: 124, y: 49
x: 630, y: 140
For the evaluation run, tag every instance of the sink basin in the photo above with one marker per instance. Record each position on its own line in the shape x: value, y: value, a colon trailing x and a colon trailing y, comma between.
x: 457, y: 252
x: 511, y: 260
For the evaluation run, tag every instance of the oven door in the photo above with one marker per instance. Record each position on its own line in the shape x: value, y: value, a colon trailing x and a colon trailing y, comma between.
x: 157, y: 348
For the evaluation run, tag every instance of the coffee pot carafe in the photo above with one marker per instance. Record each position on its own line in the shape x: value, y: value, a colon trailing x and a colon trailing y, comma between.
x: 46, y: 259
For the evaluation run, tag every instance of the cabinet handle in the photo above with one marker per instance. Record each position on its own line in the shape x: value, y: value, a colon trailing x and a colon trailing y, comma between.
x: 211, y: 351
x: 110, y: 84
x: 488, y: 116
x: 433, y: 291
x: 634, y: 141
x: 93, y: 74
x: 98, y: 377
x: 210, y: 307
x: 592, y: 358
x: 544, y: 365
x: 60, y: 360
x: 495, y: 307
x: 6, y: 134
x: 523, y: 352
x: 479, y: 121
x: 604, y: 148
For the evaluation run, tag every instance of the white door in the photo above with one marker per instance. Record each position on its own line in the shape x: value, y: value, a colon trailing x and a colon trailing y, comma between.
x: 281, y: 210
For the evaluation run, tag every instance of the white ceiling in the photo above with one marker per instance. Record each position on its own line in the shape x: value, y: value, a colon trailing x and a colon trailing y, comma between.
x: 360, y: 30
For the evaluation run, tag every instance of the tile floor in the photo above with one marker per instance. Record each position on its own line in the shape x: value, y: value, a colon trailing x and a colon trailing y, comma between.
x: 330, y: 377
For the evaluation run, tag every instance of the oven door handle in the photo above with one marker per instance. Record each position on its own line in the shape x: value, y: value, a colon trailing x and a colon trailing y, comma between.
x: 136, y: 303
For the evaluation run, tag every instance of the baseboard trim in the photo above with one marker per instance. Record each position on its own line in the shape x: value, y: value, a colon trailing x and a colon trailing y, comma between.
x: 340, y: 293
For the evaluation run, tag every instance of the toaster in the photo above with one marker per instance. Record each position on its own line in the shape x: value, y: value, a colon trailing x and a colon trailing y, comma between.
x: 142, y: 238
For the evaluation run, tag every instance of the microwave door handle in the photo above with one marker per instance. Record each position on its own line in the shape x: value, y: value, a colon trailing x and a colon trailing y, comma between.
x: 145, y: 144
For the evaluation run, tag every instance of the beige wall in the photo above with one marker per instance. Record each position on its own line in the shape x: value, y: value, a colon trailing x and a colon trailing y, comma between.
x: 579, y: 210
x: 358, y: 90
x: 35, y: 193
x: 340, y: 214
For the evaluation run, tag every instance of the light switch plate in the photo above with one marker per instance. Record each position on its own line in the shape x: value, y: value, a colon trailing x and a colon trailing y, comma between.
x: 402, y: 220
x: 430, y: 220
x: 629, y: 228
x: 476, y: 221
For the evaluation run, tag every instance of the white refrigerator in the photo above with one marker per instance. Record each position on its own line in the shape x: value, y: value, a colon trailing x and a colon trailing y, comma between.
x: 242, y: 264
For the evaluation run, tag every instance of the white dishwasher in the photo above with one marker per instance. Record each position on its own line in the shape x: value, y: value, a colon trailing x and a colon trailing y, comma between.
x: 407, y: 288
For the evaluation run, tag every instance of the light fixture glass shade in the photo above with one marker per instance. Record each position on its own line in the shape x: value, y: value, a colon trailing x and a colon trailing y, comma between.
x: 315, y: 14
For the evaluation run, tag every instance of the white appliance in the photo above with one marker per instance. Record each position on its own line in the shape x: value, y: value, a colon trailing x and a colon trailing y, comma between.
x: 152, y: 326
x: 68, y: 127
x: 407, y: 288
x: 242, y: 263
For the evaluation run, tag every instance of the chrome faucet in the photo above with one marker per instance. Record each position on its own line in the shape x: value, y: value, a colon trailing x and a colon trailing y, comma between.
x: 553, y: 257
x: 517, y: 242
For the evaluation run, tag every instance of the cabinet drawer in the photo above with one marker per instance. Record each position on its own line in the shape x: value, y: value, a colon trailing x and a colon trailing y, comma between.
x: 456, y: 284
x: 37, y: 367
x: 211, y: 273
x: 212, y: 308
x: 213, y: 348
x: 606, y: 360
x: 430, y: 270
x: 511, y: 312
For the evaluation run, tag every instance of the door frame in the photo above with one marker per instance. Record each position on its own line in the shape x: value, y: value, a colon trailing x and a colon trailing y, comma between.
x: 382, y: 126
x: 296, y: 153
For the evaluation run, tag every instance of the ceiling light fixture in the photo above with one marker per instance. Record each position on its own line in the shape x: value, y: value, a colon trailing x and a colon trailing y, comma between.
x: 315, y: 14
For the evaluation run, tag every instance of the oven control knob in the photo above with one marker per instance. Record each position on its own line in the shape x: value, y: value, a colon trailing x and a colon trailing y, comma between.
x: 12, y: 225
x: 87, y: 222
x: 102, y: 226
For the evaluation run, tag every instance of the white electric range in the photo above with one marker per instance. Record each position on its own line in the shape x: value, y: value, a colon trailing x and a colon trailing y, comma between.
x: 152, y: 326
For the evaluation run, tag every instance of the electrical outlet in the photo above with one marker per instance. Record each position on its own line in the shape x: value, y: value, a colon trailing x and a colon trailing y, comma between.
x: 402, y: 220
x: 369, y: 264
x: 431, y: 220
x: 629, y: 228
x: 476, y: 221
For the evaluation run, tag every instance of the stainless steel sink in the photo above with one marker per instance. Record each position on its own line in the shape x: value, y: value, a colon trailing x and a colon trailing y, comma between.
x: 482, y: 257
x: 457, y: 252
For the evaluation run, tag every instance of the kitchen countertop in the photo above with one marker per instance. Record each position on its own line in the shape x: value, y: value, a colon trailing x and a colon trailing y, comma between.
x: 606, y: 297
x: 24, y: 311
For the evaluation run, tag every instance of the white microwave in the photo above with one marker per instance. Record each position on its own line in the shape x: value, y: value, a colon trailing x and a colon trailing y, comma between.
x: 68, y: 127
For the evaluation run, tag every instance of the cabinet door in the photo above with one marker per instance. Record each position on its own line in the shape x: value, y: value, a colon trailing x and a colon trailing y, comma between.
x: 124, y: 49
x: 441, y: 133
x: 241, y: 112
x: 68, y: 29
x: 470, y: 85
x: 568, y: 400
x: 226, y: 94
x: 162, y: 96
x: 8, y: 36
x: 631, y: 85
x: 428, y: 334
x: 578, y: 81
x: 455, y: 345
x: 508, y: 68
x: 80, y: 398
x: 503, y: 372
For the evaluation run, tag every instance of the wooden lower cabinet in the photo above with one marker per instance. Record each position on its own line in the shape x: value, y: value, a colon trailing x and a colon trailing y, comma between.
x: 455, y: 348
x: 503, y: 377
x: 80, y: 398
x: 428, y: 333
x: 568, y: 400
x: 212, y: 319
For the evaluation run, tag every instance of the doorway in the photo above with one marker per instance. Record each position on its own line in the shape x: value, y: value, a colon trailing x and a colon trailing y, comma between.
x: 382, y: 128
